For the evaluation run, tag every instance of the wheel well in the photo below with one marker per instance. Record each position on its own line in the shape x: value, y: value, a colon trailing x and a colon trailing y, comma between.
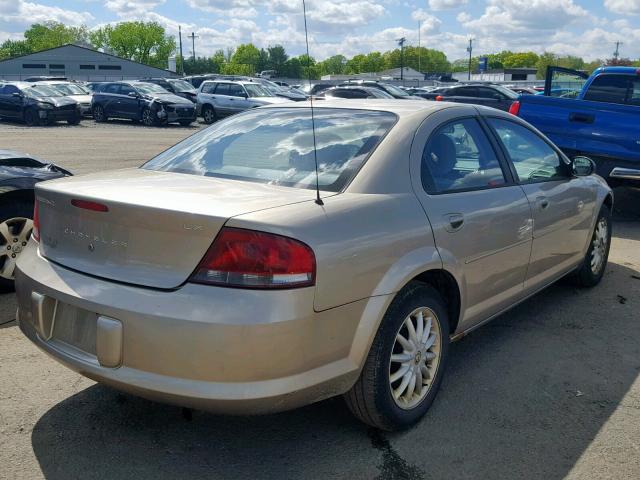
x: 13, y: 196
x: 447, y: 286
x: 608, y: 201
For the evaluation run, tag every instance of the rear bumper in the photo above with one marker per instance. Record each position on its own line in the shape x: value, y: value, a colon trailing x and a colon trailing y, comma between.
x: 226, y: 350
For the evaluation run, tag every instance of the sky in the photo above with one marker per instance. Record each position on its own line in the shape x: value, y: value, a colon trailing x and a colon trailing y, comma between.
x: 586, y: 28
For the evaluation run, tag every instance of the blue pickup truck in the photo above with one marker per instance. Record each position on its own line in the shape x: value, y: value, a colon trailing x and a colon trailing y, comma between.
x: 601, y: 121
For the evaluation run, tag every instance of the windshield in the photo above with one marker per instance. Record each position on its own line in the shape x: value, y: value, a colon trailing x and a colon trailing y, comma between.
x: 44, y: 91
x: 181, y: 85
x: 149, y: 88
x: 70, y: 88
x: 398, y: 92
x: 507, y: 92
x: 275, y: 146
x: 256, y: 90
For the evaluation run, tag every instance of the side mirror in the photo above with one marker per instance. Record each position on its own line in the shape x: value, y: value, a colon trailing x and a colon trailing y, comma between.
x: 583, y: 166
x: 133, y: 94
x: 16, y: 94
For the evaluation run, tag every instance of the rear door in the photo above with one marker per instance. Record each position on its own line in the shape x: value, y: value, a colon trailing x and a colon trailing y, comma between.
x: 237, y: 98
x: 10, y: 104
x: 480, y: 217
x: 110, y: 99
x: 562, y: 205
x: 220, y: 99
x: 128, y: 105
x: 493, y: 98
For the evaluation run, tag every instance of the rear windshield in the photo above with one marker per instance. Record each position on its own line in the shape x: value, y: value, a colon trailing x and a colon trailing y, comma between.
x: 275, y: 146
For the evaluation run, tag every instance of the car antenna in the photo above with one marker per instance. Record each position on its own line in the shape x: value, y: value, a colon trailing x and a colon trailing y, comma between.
x: 313, y: 120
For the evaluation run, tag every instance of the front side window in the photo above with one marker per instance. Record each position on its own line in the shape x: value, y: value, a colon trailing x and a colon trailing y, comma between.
x: 126, y: 90
x: 149, y: 88
x: 275, y: 146
x: 533, y: 158
x: 608, y: 88
x: 257, y: 91
x: 111, y: 88
x: 236, y: 90
x: 458, y: 156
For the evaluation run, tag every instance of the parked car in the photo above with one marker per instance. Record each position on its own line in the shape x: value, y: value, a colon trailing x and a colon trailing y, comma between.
x: 19, y: 173
x: 354, y: 92
x: 43, y: 78
x: 601, y: 121
x: 315, y: 88
x: 72, y: 90
x: 523, y: 90
x: 221, y: 98
x: 495, y: 96
x: 37, y: 104
x: 93, y: 85
x: 228, y: 273
x: 196, y: 80
x: 177, y: 86
x: 392, y: 90
x: 140, y: 101
x: 427, y: 93
x: 279, y: 91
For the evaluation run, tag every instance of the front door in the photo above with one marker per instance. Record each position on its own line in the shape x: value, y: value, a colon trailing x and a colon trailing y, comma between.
x: 128, y: 103
x: 11, y: 101
x: 481, y: 219
x: 562, y: 205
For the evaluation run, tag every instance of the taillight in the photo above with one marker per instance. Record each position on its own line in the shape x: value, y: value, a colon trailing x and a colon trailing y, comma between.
x: 439, y: 98
x: 514, y: 109
x: 88, y: 205
x: 36, y: 221
x: 251, y: 259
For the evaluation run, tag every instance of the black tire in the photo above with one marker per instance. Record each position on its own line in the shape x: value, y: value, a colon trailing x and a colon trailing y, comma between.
x: 31, y: 118
x: 148, y: 117
x: 370, y: 399
x: 185, y: 123
x: 20, y: 208
x: 75, y: 120
x: 99, y: 115
x: 586, y: 275
x: 209, y: 114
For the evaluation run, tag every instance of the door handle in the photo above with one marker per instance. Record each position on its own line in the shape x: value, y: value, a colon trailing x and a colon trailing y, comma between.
x: 581, y: 117
x: 542, y: 202
x: 454, y: 222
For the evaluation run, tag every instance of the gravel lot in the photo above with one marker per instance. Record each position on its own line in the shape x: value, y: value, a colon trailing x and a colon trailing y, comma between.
x: 550, y: 390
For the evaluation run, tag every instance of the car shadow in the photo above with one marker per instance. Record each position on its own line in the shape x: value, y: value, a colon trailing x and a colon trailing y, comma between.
x: 524, y: 397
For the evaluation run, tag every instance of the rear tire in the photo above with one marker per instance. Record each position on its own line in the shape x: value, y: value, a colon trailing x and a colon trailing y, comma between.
x: 594, y: 264
x: 99, y: 115
x: 75, y: 120
x: 31, y: 118
x: 209, y: 114
x: 378, y: 398
x: 11, y: 216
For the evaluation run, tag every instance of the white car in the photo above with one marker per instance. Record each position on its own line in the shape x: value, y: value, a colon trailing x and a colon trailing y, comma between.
x: 221, y: 98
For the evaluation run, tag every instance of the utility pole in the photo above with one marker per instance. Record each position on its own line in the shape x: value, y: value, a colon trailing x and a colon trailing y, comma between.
x: 181, y: 56
x: 616, y: 54
x: 193, y: 37
x: 401, y: 43
x: 470, y: 50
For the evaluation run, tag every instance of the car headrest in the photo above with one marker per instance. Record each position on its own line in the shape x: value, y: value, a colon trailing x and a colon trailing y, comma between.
x: 441, y: 156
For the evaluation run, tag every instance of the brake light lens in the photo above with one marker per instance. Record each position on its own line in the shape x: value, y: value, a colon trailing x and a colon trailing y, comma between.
x: 250, y: 259
x: 36, y: 221
x: 87, y: 205
x: 439, y: 98
x: 514, y: 109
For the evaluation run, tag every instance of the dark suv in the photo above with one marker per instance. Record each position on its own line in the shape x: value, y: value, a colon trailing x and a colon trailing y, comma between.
x: 178, y: 86
x: 494, y: 96
x: 37, y: 104
x: 354, y: 92
x: 392, y: 90
x: 140, y: 101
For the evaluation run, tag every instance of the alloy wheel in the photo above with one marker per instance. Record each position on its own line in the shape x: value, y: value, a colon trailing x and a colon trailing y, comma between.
x: 147, y: 117
x: 415, y: 358
x: 209, y: 115
x: 599, y: 243
x: 14, y: 235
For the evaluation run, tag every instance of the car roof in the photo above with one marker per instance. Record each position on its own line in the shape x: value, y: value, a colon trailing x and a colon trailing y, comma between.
x: 4, y: 154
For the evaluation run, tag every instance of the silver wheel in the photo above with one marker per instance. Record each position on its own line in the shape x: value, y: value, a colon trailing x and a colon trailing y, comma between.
x: 209, y: 115
x: 599, y: 243
x: 147, y: 117
x: 14, y: 235
x: 415, y: 358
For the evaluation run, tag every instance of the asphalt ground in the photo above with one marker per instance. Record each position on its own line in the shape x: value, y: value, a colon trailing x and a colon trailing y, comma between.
x: 549, y: 390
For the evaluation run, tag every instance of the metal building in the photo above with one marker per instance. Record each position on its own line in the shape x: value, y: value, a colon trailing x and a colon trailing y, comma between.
x: 77, y: 63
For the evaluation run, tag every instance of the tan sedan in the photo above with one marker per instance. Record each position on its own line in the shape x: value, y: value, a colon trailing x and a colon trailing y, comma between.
x: 216, y: 276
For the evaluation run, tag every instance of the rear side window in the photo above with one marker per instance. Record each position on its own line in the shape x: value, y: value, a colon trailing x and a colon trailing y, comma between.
x: 275, y: 146
x: 609, y: 89
x: 208, y: 88
x: 462, y: 92
x: 222, y: 89
x: 111, y: 88
x: 533, y: 158
x: 458, y: 156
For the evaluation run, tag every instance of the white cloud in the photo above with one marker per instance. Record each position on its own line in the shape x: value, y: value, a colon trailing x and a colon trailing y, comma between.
x: 623, y: 7
x: 25, y: 13
x: 129, y: 8
x: 446, y: 4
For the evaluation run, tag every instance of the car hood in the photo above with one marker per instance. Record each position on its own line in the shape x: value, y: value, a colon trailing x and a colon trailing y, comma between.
x: 16, y: 165
x: 169, y: 98
x: 81, y: 98
x: 56, y: 101
x: 269, y: 100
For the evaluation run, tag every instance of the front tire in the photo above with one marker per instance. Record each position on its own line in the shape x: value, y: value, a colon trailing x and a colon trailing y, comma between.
x: 209, y: 114
x: 594, y: 264
x: 406, y: 363
x: 75, y: 120
x: 99, y: 115
x: 31, y: 118
x: 15, y: 230
x: 148, y: 117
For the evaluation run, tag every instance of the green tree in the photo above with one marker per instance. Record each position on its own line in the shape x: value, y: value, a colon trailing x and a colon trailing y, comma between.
x: 277, y: 58
x: 14, y: 48
x: 419, y: 58
x: 247, y: 54
x: 41, y: 36
x: 521, y: 60
x: 144, y: 42
x: 334, y: 65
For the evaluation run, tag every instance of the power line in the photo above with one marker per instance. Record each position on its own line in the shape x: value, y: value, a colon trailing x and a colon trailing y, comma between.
x: 193, y: 37
x: 181, y: 56
x: 616, y: 54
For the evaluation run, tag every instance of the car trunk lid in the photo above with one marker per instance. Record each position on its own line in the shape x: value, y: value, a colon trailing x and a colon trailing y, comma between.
x: 154, y: 228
